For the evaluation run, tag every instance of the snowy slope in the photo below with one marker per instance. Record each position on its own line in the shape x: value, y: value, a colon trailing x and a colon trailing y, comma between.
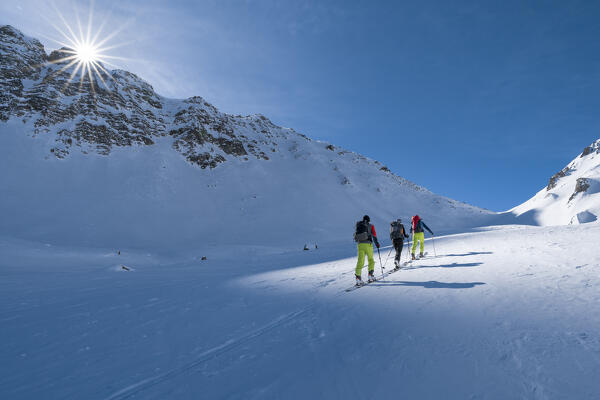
x: 118, y: 165
x: 503, y: 313
x: 572, y: 195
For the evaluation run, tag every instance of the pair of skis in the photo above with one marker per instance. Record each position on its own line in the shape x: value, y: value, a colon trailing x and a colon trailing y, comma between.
x: 359, y: 285
x: 385, y: 274
x: 410, y: 260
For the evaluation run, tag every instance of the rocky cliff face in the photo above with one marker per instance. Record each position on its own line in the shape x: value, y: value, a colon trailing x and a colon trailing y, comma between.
x: 21, y: 61
x: 120, y: 109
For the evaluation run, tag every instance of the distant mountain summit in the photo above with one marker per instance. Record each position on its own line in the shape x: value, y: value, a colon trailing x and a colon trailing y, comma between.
x: 114, y: 163
x: 572, y: 195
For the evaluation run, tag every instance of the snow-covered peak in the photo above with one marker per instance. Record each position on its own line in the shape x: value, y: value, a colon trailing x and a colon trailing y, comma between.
x: 14, y: 42
x: 117, y: 163
x: 593, y: 148
x: 127, y: 78
x: 59, y: 56
x: 572, y: 195
x: 21, y: 59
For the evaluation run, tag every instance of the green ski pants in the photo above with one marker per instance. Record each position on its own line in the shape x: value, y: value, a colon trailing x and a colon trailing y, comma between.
x: 418, y: 237
x: 365, y: 249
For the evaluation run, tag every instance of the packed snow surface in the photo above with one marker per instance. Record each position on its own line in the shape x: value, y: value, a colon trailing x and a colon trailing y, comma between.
x: 508, y: 312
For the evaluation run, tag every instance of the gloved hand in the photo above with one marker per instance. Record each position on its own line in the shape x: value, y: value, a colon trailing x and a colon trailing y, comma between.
x: 377, y: 243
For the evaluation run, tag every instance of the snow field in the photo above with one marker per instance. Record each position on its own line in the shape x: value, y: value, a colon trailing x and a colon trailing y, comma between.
x: 502, y: 312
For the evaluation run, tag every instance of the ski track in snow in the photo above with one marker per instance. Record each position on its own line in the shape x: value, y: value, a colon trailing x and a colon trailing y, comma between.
x: 205, y: 356
x: 219, y: 350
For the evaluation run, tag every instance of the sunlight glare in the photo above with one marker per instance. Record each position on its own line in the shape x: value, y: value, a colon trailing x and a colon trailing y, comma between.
x: 86, y: 53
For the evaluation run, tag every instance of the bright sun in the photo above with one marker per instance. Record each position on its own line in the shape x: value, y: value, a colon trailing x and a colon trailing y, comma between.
x: 86, y: 53
x: 85, y: 50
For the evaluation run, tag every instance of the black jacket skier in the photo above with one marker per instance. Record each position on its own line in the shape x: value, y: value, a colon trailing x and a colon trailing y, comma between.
x: 397, y: 235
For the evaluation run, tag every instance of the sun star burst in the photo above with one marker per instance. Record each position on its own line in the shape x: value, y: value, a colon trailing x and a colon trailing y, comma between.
x: 85, y: 51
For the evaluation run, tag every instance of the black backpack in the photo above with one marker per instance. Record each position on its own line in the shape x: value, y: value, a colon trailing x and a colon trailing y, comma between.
x: 362, y: 231
x: 396, y: 230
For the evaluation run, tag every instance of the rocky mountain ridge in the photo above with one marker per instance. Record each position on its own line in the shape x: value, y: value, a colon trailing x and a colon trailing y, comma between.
x: 120, y: 109
x: 572, y: 195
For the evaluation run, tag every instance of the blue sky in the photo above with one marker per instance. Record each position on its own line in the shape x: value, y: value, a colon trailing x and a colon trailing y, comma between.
x: 481, y: 101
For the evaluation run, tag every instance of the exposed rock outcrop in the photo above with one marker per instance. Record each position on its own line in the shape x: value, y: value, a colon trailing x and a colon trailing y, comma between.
x: 117, y: 108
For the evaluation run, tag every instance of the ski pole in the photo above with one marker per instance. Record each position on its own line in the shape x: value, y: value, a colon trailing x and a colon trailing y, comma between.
x: 388, y: 256
x: 409, y: 254
x: 408, y: 250
x: 380, y: 264
x: 433, y: 241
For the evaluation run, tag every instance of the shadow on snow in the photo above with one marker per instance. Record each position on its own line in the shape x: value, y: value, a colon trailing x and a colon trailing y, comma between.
x: 453, y: 265
x: 471, y: 253
x: 430, y: 284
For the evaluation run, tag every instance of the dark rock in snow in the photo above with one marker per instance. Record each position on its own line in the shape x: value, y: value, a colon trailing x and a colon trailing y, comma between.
x: 594, y: 148
x: 554, y: 179
x: 581, y: 186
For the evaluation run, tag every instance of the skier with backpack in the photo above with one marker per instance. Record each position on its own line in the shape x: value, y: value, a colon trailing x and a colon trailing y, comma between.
x: 397, y: 235
x: 418, y: 235
x: 365, y: 236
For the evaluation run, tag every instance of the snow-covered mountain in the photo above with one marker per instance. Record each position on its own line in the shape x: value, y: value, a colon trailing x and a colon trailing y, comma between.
x: 572, y: 195
x: 116, y: 164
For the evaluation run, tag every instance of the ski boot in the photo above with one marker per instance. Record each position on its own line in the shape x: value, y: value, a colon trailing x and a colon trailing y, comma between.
x: 421, y: 255
x: 396, y: 265
x: 359, y: 281
x: 413, y: 256
x: 371, y: 277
